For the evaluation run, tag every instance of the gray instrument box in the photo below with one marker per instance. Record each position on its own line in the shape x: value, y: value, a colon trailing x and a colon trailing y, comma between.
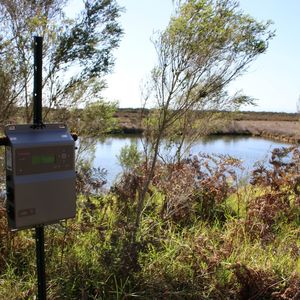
x: 40, y: 175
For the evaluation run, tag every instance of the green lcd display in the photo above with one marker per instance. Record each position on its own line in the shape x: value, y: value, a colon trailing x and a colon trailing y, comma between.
x: 43, y: 159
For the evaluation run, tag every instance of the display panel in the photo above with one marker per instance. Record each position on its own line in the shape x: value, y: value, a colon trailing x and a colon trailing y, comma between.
x: 43, y: 159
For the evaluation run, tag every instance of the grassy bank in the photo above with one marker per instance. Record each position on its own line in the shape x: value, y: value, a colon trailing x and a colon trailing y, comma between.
x: 278, y: 126
x: 203, y: 235
x: 285, y: 131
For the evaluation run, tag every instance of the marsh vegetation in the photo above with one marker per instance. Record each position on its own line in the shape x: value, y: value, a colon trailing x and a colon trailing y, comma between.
x: 171, y: 227
x: 203, y: 234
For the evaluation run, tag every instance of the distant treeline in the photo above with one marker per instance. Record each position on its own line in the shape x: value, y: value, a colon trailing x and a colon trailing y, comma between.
x: 240, y: 115
x: 130, y: 120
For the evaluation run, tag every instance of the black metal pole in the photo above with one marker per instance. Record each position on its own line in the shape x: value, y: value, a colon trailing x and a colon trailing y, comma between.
x: 38, y: 122
x: 40, y: 262
x: 37, y: 81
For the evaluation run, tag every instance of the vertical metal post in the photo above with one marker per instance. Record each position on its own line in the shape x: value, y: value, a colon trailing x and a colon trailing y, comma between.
x: 37, y: 81
x: 37, y: 121
x: 40, y: 262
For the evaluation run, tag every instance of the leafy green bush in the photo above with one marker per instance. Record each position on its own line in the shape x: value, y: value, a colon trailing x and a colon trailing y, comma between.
x: 129, y: 157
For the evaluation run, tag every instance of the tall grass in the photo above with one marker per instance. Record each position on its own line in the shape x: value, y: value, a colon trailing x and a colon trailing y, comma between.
x: 202, y: 236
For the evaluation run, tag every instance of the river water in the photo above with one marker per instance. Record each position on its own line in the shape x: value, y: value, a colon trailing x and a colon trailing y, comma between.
x: 248, y: 149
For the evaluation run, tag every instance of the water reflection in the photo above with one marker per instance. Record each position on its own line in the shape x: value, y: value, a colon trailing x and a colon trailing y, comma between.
x: 249, y: 149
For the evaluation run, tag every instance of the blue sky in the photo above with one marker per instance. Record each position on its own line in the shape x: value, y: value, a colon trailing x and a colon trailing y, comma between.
x: 273, y: 79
